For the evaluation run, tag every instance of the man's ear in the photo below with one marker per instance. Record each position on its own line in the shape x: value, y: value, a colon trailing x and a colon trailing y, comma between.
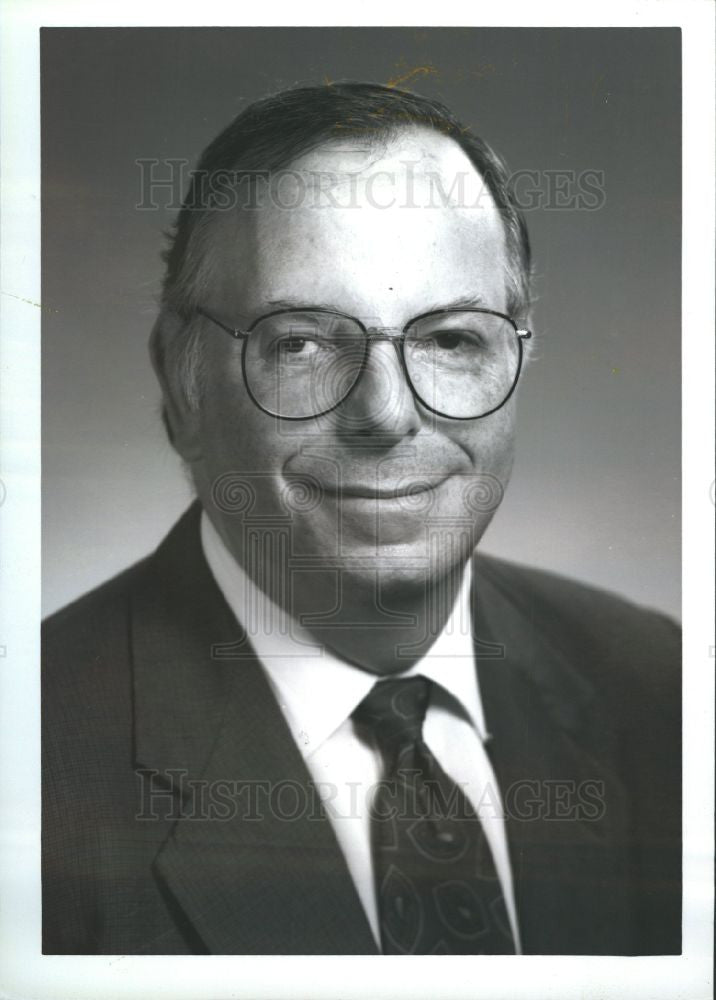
x: 181, y: 420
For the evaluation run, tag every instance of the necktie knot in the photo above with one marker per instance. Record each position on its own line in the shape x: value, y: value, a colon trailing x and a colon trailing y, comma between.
x: 394, y: 711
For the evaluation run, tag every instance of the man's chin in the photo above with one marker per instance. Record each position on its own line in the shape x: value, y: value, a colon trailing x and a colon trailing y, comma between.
x: 401, y: 569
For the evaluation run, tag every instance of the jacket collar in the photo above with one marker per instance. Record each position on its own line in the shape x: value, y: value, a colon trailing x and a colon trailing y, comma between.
x: 554, y: 752
x: 512, y: 630
x: 255, y: 867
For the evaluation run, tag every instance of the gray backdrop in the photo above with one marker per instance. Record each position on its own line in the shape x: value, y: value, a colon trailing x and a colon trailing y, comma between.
x: 596, y: 488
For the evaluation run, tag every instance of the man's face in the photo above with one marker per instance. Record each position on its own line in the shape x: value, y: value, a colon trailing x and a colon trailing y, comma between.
x: 393, y: 487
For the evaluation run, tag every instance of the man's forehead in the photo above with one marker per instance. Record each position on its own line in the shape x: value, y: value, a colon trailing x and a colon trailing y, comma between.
x: 417, y: 173
x: 421, y: 166
x: 408, y: 211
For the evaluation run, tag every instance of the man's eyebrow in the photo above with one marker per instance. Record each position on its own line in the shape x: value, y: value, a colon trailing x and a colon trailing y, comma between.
x: 464, y: 302
x: 299, y: 306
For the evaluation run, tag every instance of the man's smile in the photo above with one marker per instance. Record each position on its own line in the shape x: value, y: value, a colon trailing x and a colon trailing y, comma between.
x: 384, y: 491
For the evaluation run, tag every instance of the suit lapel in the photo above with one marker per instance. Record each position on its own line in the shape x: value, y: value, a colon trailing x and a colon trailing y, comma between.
x: 566, y: 812
x: 252, y: 862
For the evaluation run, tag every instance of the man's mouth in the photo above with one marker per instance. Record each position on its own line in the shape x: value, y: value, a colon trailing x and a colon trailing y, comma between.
x: 383, y: 491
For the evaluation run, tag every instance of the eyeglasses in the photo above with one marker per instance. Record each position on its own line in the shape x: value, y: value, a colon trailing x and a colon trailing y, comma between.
x: 302, y: 363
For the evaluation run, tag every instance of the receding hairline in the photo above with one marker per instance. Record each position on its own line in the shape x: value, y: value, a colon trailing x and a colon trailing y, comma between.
x: 399, y: 145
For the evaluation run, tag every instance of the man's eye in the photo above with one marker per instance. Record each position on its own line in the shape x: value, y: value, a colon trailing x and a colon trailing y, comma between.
x: 292, y: 346
x: 449, y: 340
x: 453, y: 340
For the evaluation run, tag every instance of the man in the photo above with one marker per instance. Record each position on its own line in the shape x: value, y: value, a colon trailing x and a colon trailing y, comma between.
x: 313, y: 721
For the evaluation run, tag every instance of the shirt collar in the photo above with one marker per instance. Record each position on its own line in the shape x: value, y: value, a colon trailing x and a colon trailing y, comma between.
x: 316, y: 690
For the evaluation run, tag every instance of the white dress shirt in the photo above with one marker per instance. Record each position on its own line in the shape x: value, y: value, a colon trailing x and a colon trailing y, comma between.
x: 317, y: 693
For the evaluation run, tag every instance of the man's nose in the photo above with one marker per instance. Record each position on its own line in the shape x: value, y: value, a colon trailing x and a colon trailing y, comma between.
x: 381, y: 402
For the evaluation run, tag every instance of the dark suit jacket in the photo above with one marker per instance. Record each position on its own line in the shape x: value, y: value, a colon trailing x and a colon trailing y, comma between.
x: 149, y: 677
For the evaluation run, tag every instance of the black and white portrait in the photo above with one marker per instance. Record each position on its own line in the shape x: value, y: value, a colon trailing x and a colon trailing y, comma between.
x: 361, y: 492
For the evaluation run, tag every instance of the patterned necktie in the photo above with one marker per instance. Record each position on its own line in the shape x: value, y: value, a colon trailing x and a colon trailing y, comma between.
x: 436, y: 884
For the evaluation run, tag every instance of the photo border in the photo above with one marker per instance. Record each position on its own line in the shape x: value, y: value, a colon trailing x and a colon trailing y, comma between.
x: 25, y: 972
